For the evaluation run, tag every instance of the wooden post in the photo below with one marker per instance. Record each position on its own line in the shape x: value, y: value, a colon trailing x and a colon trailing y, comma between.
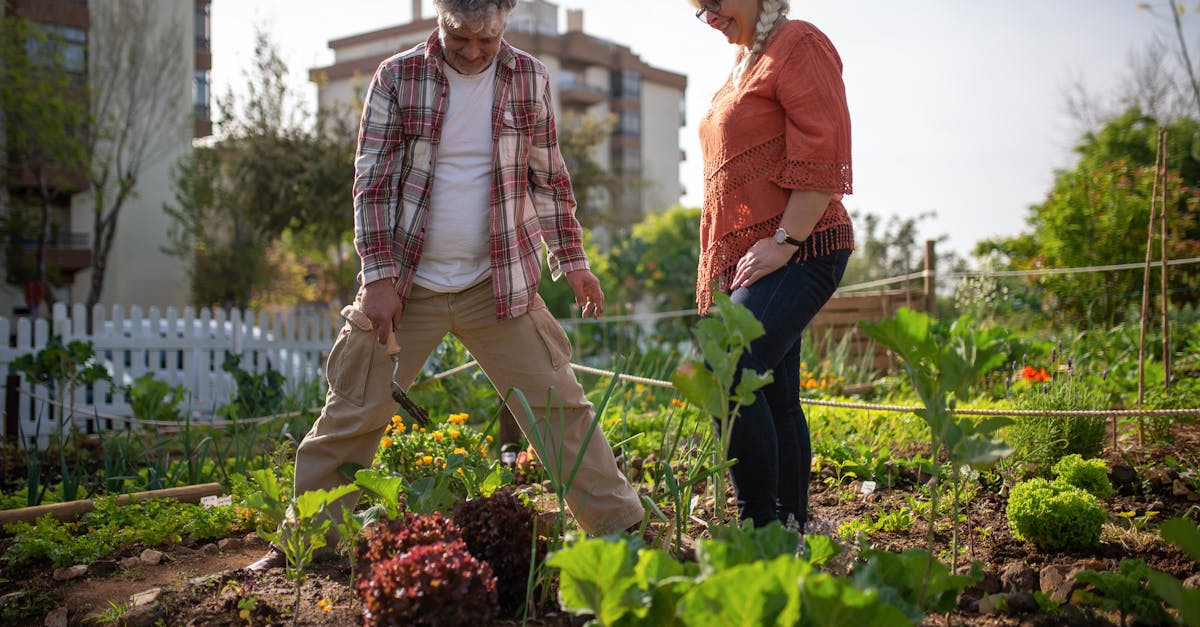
x: 930, y: 278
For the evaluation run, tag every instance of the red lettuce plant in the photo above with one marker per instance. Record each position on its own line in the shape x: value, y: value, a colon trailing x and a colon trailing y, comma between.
x: 417, y: 571
x: 500, y: 530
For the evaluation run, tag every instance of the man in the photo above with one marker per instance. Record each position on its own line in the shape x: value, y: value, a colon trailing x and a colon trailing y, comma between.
x: 458, y: 182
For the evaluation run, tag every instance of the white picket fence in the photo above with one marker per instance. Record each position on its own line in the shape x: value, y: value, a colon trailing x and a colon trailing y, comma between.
x: 186, y: 350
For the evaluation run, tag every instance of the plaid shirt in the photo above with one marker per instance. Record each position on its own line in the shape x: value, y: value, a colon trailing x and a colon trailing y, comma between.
x: 531, y: 193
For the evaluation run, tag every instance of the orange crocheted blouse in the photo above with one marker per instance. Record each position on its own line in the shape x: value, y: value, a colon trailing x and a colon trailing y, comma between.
x: 784, y: 126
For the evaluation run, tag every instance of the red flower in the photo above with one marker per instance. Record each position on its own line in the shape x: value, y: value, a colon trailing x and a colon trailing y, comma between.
x: 1033, y: 374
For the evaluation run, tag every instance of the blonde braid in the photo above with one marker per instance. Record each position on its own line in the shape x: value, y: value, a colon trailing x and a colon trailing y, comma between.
x: 771, y: 13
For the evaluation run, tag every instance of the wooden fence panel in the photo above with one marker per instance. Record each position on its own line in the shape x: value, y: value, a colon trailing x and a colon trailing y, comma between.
x: 843, y: 312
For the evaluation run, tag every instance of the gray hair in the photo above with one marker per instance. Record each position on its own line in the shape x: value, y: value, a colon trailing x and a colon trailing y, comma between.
x: 475, y: 15
x: 769, y: 15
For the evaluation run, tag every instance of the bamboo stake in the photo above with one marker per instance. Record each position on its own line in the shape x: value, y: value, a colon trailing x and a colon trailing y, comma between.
x: 74, y: 509
x: 1158, y: 165
x: 1162, y: 238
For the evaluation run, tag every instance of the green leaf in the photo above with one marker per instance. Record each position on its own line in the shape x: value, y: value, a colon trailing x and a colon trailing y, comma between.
x: 596, y: 577
x: 1183, y: 534
x: 833, y: 602
x: 701, y: 388
x: 386, y: 488
x: 818, y: 550
x: 747, y: 595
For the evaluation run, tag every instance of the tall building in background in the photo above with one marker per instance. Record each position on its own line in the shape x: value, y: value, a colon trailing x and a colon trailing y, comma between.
x: 590, y: 76
x: 138, y: 272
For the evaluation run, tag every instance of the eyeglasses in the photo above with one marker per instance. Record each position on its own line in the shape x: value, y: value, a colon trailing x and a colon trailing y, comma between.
x: 707, y: 7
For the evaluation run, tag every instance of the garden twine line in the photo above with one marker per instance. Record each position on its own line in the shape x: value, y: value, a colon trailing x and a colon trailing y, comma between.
x: 1079, y: 413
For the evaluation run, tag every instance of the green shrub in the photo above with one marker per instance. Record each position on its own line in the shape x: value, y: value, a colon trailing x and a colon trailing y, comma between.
x: 1043, y: 440
x: 1085, y: 474
x: 1054, y: 515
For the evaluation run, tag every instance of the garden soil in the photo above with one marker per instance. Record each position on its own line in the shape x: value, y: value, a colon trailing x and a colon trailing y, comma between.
x: 196, y: 586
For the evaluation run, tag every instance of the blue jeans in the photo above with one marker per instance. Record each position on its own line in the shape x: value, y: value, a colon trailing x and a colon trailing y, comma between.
x: 770, y: 438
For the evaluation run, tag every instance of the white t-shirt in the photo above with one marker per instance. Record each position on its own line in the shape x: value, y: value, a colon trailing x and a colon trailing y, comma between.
x: 457, y: 250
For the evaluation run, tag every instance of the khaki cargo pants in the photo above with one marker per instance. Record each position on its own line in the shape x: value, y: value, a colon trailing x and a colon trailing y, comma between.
x: 530, y: 353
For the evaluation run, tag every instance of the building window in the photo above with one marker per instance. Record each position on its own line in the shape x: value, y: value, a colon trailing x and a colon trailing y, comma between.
x: 200, y: 92
x: 630, y: 123
x: 60, y: 47
x: 628, y: 84
x: 631, y: 161
x: 203, y: 26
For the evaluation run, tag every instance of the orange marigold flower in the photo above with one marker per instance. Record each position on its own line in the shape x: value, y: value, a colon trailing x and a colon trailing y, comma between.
x: 428, y: 459
x: 325, y: 605
x: 489, y: 438
x: 460, y: 451
x: 454, y: 433
x: 457, y: 419
x: 398, y: 420
x: 386, y: 442
x: 437, y: 435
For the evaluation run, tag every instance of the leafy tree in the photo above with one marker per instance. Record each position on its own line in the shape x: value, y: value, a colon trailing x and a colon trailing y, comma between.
x: 45, y: 115
x: 657, y: 262
x: 266, y: 177
x: 1098, y: 214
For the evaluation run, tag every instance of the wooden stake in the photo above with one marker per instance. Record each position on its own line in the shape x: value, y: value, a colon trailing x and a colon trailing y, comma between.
x: 1145, y: 317
x: 74, y: 509
x: 1162, y: 238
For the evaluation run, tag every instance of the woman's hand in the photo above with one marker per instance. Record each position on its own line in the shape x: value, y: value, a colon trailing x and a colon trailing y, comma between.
x: 763, y: 258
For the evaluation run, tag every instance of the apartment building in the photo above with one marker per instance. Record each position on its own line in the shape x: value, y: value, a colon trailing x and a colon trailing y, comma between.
x: 591, y: 76
x: 80, y: 36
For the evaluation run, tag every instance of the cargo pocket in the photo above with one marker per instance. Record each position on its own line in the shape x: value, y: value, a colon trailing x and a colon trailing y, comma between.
x: 349, y: 364
x: 558, y: 346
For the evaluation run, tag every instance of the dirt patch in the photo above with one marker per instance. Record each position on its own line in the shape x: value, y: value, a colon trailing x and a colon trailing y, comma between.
x: 203, y: 586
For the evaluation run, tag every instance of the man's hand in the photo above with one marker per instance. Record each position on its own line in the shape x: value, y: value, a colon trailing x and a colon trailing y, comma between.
x: 763, y: 258
x: 588, y: 294
x: 382, y: 305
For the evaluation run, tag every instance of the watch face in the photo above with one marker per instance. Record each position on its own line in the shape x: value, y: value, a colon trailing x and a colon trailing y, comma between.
x: 780, y: 236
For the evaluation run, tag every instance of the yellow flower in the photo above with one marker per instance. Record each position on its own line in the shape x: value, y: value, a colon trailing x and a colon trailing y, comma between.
x: 437, y: 435
x: 397, y: 421
x: 483, y: 450
x: 428, y: 459
x: 460, y: 471
x: 418, y: 462
x: 460, y: 451
x: 422, y: 429
x: 457, y: 419
x: 489, y: 438
x: 612, y: 422
x: 454, y: 433
x: 400, y: 428
x: 325, y: 604
x: 386, y: 442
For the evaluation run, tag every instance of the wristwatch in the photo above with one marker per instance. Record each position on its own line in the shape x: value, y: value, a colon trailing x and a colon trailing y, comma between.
x: 782, y: 237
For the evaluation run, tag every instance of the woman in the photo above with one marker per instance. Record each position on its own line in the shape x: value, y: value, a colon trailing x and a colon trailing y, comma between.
x: 774, y: 234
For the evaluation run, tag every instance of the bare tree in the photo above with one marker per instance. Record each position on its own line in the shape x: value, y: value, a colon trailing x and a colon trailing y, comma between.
x: 140, y: 108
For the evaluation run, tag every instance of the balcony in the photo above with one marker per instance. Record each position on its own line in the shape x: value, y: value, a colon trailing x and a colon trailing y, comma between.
x: 573, y: 90
x: 67, y: 253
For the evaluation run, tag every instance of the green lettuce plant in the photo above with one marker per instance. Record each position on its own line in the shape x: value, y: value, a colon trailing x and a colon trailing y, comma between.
x: 746, y: 576
x: 1086, y: 474
x: 1054, y: 515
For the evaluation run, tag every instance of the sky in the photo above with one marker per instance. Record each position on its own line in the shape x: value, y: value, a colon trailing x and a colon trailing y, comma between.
x: 957, y: 106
